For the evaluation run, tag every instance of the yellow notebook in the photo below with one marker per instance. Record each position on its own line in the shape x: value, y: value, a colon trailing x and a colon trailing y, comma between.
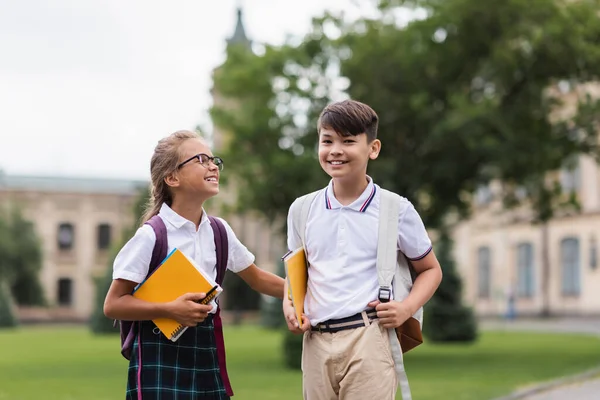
x: 296, y: 270
x: 175, y: 276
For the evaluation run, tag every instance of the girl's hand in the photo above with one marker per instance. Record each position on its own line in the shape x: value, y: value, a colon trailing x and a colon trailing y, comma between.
x: 187, y: 311
x: 290, y: 318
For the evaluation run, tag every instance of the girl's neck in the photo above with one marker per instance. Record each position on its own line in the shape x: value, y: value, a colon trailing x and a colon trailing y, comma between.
x: 347, y: 191
x: 190, y: 210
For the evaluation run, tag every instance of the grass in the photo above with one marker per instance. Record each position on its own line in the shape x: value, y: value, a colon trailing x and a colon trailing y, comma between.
x: 69, y: 363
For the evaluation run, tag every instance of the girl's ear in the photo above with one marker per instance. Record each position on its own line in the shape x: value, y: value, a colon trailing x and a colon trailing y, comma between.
x: 375, y: 149
x: 172, y: 180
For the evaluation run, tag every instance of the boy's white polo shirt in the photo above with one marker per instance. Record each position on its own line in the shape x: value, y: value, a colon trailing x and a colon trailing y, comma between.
x: 341, y: 244
x: 133, y: 261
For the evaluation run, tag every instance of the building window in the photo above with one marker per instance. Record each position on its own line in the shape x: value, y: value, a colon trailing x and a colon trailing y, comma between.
x: 483, y: 195
x: 104, y: 232
x: 65, y: 292
x: 525, y: 270
x: 484, y: 273
x: 66, y: 236
x: 570, y: 176
x: 569, y: 249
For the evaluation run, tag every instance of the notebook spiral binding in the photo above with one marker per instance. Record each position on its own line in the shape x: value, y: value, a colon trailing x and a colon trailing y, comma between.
x: 205, y: 300
x: 177, y: 331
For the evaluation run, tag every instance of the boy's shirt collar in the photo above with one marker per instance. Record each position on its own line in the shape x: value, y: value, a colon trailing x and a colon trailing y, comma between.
x: 360, y: 205
x: 175, y: 219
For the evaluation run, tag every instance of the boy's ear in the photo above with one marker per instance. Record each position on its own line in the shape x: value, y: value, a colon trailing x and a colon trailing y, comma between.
x: 172, y: 180
x: 375, y: 149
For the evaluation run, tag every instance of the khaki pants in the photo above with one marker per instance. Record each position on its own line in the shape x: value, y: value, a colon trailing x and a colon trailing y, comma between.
x: 354, y: 364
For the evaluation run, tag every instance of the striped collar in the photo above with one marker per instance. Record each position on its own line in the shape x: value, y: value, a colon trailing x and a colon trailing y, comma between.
x: 360, y: 205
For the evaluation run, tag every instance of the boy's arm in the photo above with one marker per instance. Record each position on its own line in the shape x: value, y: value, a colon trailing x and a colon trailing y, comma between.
x: 429, y: 275
x: 263, y: 281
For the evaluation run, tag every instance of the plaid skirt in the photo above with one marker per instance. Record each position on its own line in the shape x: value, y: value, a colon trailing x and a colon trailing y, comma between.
x: 187, y: 369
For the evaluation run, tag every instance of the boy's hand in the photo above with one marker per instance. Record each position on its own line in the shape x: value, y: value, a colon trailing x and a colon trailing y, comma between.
x: 290, y: 318
x: 391, y: 314
x: 187, y: 311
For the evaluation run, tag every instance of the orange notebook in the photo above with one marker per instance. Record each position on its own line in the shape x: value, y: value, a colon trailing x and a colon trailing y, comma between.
x: 175, y: 276
x: 296, y: 270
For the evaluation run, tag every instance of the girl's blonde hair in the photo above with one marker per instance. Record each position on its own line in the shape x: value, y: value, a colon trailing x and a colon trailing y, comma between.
x: 163, y: 163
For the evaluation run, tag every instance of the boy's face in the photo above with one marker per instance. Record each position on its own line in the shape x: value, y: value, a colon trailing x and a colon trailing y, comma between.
x: 346, y: 157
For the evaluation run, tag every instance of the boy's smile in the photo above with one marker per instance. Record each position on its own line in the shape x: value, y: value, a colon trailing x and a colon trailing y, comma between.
x: 345, y: 156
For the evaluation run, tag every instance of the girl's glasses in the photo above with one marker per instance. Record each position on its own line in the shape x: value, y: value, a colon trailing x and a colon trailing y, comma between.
x: 204, y: 160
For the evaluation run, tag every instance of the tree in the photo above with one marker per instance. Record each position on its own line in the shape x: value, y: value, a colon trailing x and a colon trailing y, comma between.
x: 20, y: 259
x: 456, y: 93
x: 7, y: 315
x: 26, y: 287
x: 446, y: 319
x: 466, y: 95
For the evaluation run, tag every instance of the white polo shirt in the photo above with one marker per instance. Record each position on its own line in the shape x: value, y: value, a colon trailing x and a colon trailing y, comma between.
x: 341, y: 246
x: 133, y: 260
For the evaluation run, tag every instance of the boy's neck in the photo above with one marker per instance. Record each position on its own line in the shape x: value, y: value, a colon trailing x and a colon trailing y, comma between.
x: 347, y: 191
x: 192, y: 210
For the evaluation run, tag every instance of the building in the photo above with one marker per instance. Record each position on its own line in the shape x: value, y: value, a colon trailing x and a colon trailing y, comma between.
x: 77, y: 221
x: 547, y: 269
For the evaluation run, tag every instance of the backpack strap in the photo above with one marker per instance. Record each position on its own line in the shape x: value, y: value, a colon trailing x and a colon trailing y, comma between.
x: 128, y: 329
x: 161, y: 245
x: 387, y: 253
x: 299, y: 210
x: 222, y: 246
x: 222, y: 249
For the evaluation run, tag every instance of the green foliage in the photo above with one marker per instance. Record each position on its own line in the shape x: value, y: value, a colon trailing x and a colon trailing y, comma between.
x: 463, y: 98
x: 292, y: 350
x: 445, y: 318
x: 20, y: 258
x: 271, y: 311
x: 7, y: 315
x: 239, y: 296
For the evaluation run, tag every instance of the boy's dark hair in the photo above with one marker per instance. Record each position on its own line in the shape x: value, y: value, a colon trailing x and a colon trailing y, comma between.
x: 349, y: 118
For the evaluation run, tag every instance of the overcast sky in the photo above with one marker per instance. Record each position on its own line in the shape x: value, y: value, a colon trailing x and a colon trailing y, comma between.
x: 87, y: 87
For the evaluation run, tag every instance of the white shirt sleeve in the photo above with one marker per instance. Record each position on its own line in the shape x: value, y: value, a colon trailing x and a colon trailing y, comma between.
x: 239, y: 257
x: 413, y: 239
x: 133, y: 261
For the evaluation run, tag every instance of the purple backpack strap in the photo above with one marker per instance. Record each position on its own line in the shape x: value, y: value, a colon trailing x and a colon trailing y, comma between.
x: 222, y: 247
x: 159, y: 253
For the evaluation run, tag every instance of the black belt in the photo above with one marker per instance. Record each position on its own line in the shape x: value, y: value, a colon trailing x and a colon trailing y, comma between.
x: 352, y: 322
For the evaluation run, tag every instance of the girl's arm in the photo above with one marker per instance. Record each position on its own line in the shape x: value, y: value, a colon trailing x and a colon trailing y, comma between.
x: 120, y: 304
x: 263, y: 281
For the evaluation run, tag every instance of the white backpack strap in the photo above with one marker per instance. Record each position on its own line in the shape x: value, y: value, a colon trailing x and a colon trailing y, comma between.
x: 299, y: 209
x: 389, y: 213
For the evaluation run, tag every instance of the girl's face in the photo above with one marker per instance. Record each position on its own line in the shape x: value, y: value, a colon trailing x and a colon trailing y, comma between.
x: 196, y: 175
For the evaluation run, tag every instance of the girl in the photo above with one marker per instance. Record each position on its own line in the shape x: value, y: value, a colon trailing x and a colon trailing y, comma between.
x: 184, y: 175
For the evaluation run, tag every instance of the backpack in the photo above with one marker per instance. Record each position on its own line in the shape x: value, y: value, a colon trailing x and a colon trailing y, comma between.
x: 128, y: 329
x: 393, y: 270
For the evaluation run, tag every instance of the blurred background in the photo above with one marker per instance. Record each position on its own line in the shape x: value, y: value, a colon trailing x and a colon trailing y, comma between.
x: 489, y: 118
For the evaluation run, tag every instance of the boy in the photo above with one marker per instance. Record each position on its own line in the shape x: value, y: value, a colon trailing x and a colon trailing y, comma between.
x: 341, y: 236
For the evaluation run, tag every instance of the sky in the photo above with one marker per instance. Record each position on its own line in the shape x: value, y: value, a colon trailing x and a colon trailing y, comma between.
x: 88, y: 87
